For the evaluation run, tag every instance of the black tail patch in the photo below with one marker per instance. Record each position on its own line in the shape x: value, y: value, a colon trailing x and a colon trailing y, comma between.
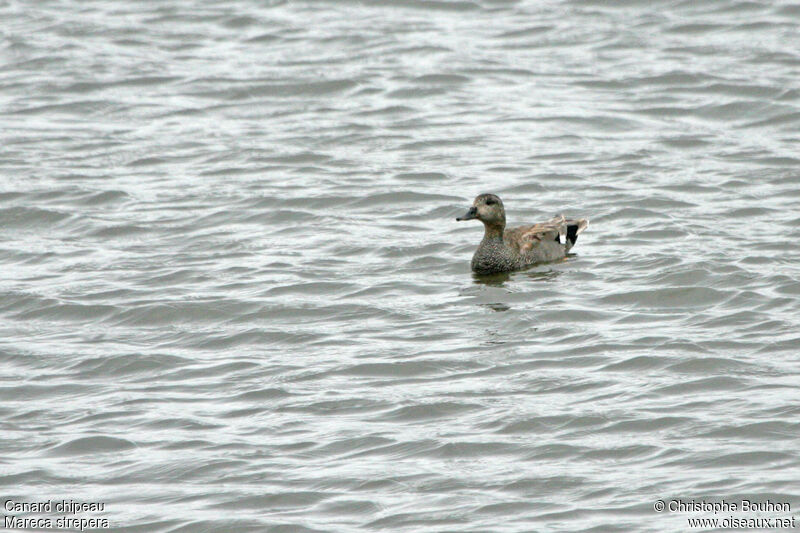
x: 572, y: 234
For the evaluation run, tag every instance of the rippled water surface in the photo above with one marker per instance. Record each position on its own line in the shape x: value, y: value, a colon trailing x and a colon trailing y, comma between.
x: 234, y: 296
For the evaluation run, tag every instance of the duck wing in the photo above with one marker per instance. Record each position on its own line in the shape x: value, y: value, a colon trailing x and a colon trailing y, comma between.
x: 524, y: 238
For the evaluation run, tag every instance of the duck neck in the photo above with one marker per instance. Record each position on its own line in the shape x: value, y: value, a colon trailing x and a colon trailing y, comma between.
x: 493, y: 231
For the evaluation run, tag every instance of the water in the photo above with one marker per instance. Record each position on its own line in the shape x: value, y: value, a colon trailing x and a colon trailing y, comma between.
x: 235, y: 298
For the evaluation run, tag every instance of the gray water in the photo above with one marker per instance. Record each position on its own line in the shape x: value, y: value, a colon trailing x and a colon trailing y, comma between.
x: 234, y: 296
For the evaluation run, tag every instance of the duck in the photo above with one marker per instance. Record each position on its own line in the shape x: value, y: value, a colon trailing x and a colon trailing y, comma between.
x: 504, y: 250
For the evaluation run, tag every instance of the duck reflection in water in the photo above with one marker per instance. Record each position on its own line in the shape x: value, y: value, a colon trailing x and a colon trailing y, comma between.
x: 499, y: 280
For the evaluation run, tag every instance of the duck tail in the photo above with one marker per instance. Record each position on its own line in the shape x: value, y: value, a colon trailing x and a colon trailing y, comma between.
x: 574, y: 228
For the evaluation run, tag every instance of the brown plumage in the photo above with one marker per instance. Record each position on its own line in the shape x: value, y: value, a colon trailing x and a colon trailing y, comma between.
x: 502, y: 250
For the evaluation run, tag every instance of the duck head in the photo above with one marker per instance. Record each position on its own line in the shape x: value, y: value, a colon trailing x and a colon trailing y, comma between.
x: 488, y: 208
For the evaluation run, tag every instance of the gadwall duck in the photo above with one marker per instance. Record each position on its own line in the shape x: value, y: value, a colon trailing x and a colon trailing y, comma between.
x: 503, y: 249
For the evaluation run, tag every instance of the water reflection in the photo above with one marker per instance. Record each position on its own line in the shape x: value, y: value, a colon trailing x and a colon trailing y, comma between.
x: 494, y: 338
x: 542, y: 275
x: 498, y: 306
x: 499, y: 279
x: 492, y: 280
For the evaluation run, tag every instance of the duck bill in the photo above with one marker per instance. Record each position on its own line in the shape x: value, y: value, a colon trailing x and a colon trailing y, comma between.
x: 469, y: 215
